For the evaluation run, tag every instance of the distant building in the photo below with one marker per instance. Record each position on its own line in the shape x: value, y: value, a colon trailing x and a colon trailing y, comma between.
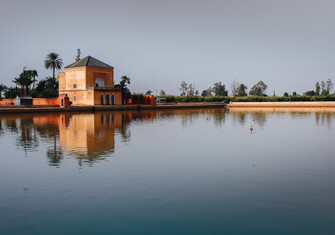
x: 89, y: 82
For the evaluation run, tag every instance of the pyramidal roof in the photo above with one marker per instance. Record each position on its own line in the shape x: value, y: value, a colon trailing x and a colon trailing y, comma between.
x: 89, y: 61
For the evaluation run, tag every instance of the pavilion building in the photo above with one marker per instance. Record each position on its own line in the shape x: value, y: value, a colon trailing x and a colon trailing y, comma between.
x: 89, y: 82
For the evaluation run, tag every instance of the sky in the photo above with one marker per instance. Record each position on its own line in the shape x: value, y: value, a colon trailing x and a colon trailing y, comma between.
x: 288, y: 44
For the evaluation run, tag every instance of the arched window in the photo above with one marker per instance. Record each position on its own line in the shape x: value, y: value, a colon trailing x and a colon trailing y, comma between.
x: 113, y: 99
x: 99, y: 82
x: 108, y: 102
x: 102, y: 100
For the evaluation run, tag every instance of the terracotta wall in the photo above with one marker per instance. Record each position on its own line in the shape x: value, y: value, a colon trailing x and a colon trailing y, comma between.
x: 7, y: 101
x: 84, y: 77
x: 82, y: 97
x: 46, y: 101
x: 92, y: 73
x: 36, y: 101
x: 61, y: 81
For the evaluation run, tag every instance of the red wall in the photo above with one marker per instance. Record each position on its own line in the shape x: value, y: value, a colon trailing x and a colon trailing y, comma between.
x: 5, y: 101
x: 36, y: 101
x: 46, y: 101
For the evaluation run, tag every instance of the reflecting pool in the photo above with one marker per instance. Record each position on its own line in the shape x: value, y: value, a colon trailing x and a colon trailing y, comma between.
x: 196, y: 171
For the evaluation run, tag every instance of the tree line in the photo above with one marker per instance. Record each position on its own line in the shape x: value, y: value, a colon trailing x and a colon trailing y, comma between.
x: 45, y: 88
x: 322, y: 88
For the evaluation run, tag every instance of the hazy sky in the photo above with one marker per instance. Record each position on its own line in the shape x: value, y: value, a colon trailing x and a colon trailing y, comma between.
x: 289, y: 44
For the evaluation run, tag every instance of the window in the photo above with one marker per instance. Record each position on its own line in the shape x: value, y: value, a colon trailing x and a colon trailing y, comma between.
x: 99, y: 82
x: 75, y: 98
x: 75, y: 85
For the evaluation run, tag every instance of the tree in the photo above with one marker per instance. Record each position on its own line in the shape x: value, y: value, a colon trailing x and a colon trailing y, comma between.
x: 125, y: 92
x: 294, y: 93
x: 190, y: 90
x: 310, y: 93
x: 258, y: 89
x: 323, y: 88
x: 33, y: 74
x: 47, y: 88
x: 51, y: 86
x: 19, y: 81
x: 2, y: 88
x: 183, y: 88
x: 207, y: 92
x: 285, y: 94
x: 329, y: 85
x: 241, y: 90
x: 196, y: 92
x: 53, y: 61
x: 40, y: 86
x: 12, y: 92
x: 148, y: 92
x: 24, y: 80
x: 220, y: 89
x: 317, y: 88
x: 162, y: 93
x: 234, y: 87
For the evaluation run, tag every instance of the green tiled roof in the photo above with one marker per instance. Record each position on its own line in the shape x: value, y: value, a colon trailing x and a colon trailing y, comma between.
x: 89, y: 61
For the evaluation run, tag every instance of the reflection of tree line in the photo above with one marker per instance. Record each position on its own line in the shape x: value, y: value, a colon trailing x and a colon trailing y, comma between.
x: 189, y: 115
x: 260, y: 117
x: 324, y: 118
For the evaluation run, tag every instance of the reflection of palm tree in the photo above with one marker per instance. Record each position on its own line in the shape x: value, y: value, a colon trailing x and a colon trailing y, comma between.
x: 11, y: 125
x: 55, y: 153
x: 27, y: 138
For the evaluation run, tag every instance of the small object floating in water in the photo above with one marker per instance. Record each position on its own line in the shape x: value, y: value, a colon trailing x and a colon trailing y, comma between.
x: 251, y: 129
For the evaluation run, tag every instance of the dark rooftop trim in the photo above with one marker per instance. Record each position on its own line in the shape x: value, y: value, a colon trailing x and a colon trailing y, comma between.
x: 89, y: 61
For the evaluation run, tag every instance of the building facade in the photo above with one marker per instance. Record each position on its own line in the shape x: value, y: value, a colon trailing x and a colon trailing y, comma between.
x: 89, y: 82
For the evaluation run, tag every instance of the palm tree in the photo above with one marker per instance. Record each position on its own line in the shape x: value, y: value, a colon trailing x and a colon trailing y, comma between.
x: 19, y: 81
x: 2, y: 88
x: 52, y: 61
x: 33, y: 74
x: 24, y: 80
x: 12, y: 92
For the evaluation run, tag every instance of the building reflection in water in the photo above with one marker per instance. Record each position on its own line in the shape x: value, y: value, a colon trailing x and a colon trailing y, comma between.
x: 88, y: 137
x: 91, y: 137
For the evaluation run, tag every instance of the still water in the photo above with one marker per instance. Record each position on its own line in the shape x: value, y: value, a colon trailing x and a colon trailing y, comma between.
x: 168, y: 172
